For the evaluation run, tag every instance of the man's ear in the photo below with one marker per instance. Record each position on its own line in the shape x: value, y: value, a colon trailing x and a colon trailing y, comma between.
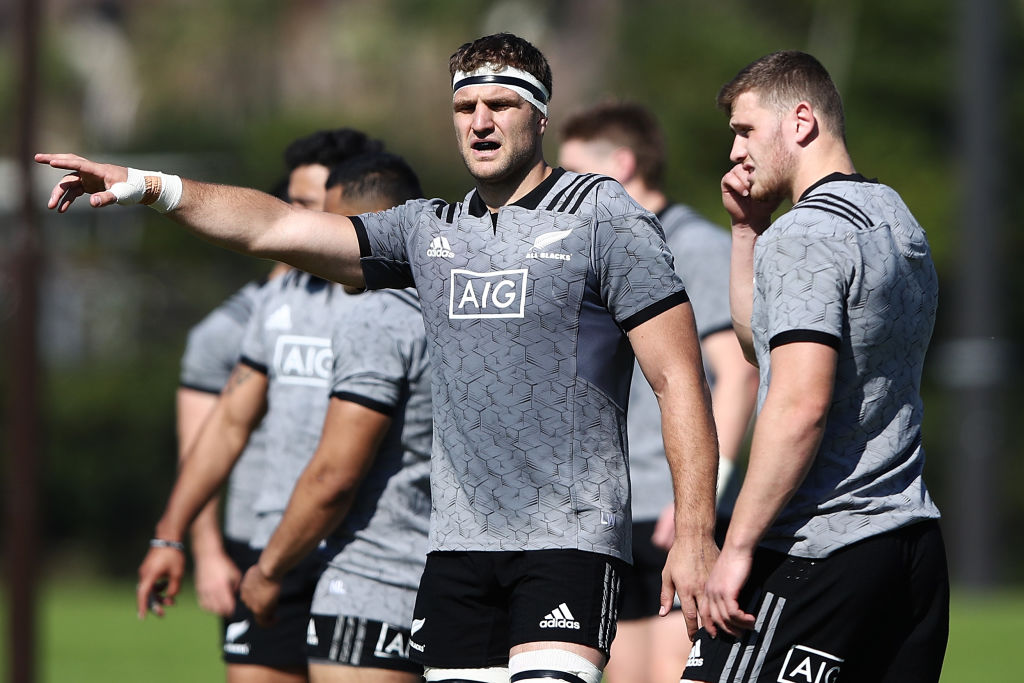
x: 542, y: 125
x: 805, y: 123
x: 625, y: 163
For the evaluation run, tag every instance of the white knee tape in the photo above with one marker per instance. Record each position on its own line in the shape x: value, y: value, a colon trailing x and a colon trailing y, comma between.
x: 552, y: 666
x: 492, y: 674
x: 152, y: 188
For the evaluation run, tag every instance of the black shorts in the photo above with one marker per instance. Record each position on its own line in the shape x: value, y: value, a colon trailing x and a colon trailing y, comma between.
x: 281, y: 645
x: 877, y: 610
x: 472, y: 607
x: 353, y: 641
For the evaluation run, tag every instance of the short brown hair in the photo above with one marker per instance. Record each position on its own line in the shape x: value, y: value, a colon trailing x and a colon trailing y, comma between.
x: 502, y: 49
x: 626, y: 124
x: 783, y: 79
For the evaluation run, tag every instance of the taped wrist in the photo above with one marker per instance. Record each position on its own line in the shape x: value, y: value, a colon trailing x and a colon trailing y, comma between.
x: 149, y: 188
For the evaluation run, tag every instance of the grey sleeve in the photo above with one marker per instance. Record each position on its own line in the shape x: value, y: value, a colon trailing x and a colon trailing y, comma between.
x: 803, y: 281
x: 213, y: 345
x: 376, y: 349
x: 383, y: 244
x: 635, y: 268
x: 702, y: 260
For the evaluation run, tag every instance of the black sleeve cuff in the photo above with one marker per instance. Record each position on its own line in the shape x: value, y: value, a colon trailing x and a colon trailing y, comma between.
x: 364, y: 241
x: 250, y: 363
x: 382, y: 408
x: 201, y: 389
x: 815, y: 336
x: 654, y: 310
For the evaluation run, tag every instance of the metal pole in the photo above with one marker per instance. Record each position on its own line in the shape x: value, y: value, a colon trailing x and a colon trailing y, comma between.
x: 977, y: 356
x: 23, y: 409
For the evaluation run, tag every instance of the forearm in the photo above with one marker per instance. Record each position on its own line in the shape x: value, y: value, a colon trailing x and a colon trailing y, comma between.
x: 741, y: 287
x: 783, y: 449
x: 692, y: 451
x: 205, y: 531
x: 201, y: 476
x: 732, y: 401
x: 317, y: 506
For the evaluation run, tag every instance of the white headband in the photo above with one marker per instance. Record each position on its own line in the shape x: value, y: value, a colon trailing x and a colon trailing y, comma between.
x: 516, y: 80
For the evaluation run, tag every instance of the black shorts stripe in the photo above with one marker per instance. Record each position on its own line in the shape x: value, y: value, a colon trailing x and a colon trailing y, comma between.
x: 793, y: 336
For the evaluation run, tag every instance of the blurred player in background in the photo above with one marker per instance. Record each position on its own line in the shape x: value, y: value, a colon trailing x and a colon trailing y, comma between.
x: 537, y: 290
x: 210, y: 354
x: 212, y: 350
x: 623, y: 141
x: 833, y: 567
x: 370, y: 473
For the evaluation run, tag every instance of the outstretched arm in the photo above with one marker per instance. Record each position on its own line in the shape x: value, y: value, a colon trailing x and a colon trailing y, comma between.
x: 203, y: 472
x: 667, y: 349
x: 237, y: 218
x: 322, y: 497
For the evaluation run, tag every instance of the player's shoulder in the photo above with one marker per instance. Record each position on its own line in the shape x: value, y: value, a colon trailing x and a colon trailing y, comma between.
x: 685, y: 225
x: 839, y: 204
x: 593, y: 194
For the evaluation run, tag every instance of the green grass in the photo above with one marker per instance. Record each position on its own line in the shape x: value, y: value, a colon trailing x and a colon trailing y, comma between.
x: 88, y: 633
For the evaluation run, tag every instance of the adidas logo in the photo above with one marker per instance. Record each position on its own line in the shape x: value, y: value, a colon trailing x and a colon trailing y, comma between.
x: 560, y: 617
x: 440, y: 248
x: 281, y: 319
x: 695, y: 658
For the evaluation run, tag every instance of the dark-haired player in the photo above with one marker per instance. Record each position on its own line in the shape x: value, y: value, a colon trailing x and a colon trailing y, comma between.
x: 211, y: 352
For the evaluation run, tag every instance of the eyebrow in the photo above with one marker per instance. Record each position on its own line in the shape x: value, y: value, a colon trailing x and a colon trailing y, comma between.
x: 507, y: 98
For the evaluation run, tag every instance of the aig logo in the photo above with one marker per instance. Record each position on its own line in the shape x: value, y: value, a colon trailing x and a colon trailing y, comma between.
x: 303, y: 360
x: 501, y: 294
x: 806, y: 665
x: 391, y: 644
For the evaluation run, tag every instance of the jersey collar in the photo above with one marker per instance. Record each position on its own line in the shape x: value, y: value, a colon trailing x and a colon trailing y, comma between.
x: 531, y: 200
x: 833, y: 177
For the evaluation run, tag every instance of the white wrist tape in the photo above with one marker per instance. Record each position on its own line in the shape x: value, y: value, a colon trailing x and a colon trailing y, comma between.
x: 150, y: 188
x: 725, y: 467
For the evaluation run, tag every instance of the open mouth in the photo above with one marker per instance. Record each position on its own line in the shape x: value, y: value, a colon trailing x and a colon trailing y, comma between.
x: 485, y: 146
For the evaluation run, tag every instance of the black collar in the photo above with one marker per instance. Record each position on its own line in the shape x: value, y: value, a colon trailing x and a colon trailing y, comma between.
x: 532, y: 200
x: 832, y: 177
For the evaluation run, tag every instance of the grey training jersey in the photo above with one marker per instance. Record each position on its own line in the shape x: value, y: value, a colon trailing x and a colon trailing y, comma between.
x: 290, y: 340
x: 211, y: 352
x: 381, y: 363
x: 850, y: 267
x: 701, y: 251
x: 526, y: 318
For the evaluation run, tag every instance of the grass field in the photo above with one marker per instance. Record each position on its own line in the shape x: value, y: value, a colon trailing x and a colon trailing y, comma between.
x: 89, y: 634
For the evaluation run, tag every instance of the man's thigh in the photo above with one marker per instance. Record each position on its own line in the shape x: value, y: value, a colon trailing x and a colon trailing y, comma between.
x: 817, y: 619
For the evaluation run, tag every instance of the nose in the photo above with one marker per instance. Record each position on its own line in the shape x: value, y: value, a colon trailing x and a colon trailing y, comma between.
x: 739, y: 149
x: 483, y: 121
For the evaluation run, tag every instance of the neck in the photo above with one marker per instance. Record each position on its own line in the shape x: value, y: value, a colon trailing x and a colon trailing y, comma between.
x: 653, y: 200
x: 834, y: 160
x: 510, y: 190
